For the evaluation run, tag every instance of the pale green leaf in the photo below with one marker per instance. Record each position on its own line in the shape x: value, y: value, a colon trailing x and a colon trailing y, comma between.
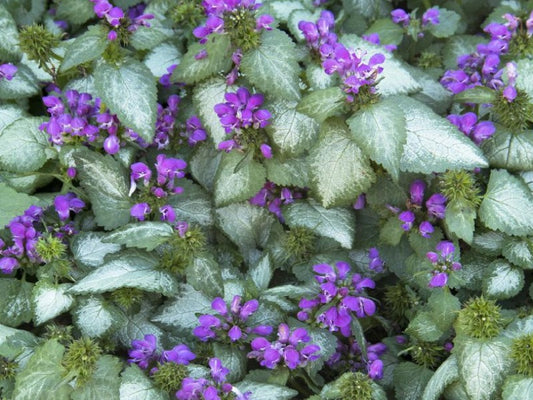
x: 266, y: 391
x: 388, y: 31
x: 86, y: 47
x: 322, y: 104
x: 444, y: 308
x: 448, y: 23
x: 132, y: 327
x: 518, y: 387
x: 205, y: 97
x: 161, y: 57
x: 460, y: 220
x: 410, y: 380
x: 42, y: 378
x: 193, y: 205
x: 233, y: 186
x: 130, y: 92
x: 434, y: 144
x: 297, y: 15
x: 204, y: 275
x: 23, y: 147
x: 476, y: 95
x: 273, y: 67
x: 94, y: 317
x: 104, y: 382
x: 433, y: 94
x: 15, y: 302
x: 423, y: 327
x: 518, y: 251
x: 489, y: 243
x: 136, y: 385
x: 204, y: 165
x: 335, y: 223
x: 523, y: 81
x: 233, y: 359
x: 50, y: 300
x: 180, y: 312
x: 483, y: 365
x: 289, y: 172
x: 261, y: 273
x: 88, y: 248
x: 8, y: 114
x: 507, y: 204
x: 507, y: 150
x: 281, y: 9
x: 13, y: 203
x: 318, y: 79
x: 218, y: 60
x: 74, y: 11
x: 143, y: 235
x: 339, y: 169
x: 130, y: 268
x: 502, y: 281
x: 148, y: 37
x: 380, y: 131
x: 447, y: 373
x: 24, y: 84
x: 9, y: 37
x: 107, y: 185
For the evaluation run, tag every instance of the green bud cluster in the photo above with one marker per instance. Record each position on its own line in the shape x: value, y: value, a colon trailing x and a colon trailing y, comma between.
x: 399, y: 300
x: 50, y: 248
x: 127, y: 297
x: 522, y: 354
x: 300, y: 242
x: 428, y: 354
x: 240, y: 26
x: 8, y: 368
x: 38, y: 44
x: 429, y: 59
x: 188, y: 13
x: 169, y: 376
x: 515, y: 115
x: 179, y: 251
x: 81, y: 357
x: 355, y: 385
x: 460, y: 186
x: 481, y: 318
x: 61, y: 333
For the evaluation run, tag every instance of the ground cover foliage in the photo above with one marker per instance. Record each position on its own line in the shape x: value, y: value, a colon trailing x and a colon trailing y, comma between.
x: 288, y: 200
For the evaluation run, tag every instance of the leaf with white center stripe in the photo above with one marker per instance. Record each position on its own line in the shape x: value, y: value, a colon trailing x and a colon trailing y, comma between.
x: 502, y: 280
x: 50, y: 300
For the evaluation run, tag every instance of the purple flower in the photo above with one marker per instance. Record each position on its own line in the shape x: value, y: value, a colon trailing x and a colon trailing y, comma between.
x: 416, y: 191
x: 436, y: 205
x: 167, y: 213
x: 360, y: 202
x: 143, y: 352
x: 431, y: 16
x: 438, y: 280
x: 400, y: 16
x: 375, y: 262
x: 65, y: 203
x: 7, y: 71
x: 8, y: 264
x: 407, y: 217
x: 426, y: 229
x: 180, y: 354
x: 443, y: 263
x: 140, y: 210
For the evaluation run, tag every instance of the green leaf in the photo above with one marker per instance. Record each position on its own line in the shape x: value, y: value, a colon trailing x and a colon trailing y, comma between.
x: 42, y: 378
x: 246, y: 225
x: 292, y: 132
x: 335, y: 223
x: 261, y: 273
x: 433, y: 94
x: 9, y: 43
x: 106, y: 183
x: 88, y: 248
x: 15, y: 302
x: 231, y: 186
x: 507, y: 204
x: 13, y: 203
x: 136, y: 385
x: 95, y: 318
x: 339, y: 168
x: 289, y: 172
x: 23, y: 147
x: 322, y: 104
x: 104, y: 383
x: 517, y: 387
x: 507, y: 150
x: 448, y: 23
x: 132, y: 327
x: 476, y: 95
x: 8, y: 114
x: 180, y: 312
x: 518, y: 251
x: 380, y: 131
x: 391, y: 232
x: 74, y: 11
x: 204, y: 275
x: 161, y: 57
x: 395, y: 78
x: 502, y: 281
x: 457, y: 46
x: 50, y: 300
x: 204, y: 165
x: 482, y: 366
x: 444, y: 307
x: 273, y: 66
x: 143, y: 235
x: 460, y: 220
x: 130, y: 92
x: 24, y: 84
x: 193, y: 205
x: 434, y: 144
x: 148, y: 37
x: 388, y: 31
x: 447, y: 373
x: 489, y: 243
x: 423, y: 327
x: 86, y: 47
x: 233, y: 359
x: 523, y: 81
x: 127, y: 269
x: 218, y: 60
x: 265, y: 391
x: 410, y: 380
x: 318, y: 79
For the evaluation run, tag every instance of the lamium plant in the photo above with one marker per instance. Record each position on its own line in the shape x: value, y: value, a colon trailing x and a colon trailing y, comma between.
x: 244, y: 200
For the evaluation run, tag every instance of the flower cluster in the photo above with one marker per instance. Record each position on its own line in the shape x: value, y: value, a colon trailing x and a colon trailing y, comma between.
x: 443, y: 263
x: 375, y: 262
x: 476, y: 130
x: 285, y: 348
x: 7, y: 71
x: 336, y: 58
x: 435, y: 209
x: 214, y: 389
x: 116, y: 18
x: 273, y: 197
x: 27, y: 229
x: 343, y: 292
x: 229, y: 324
x: 241, y: 117
x: 144, y: 353
x: 168, y: 169
x: 351, y: 357
x: 75, y: 117
x: 166, y: 117
x: 412, y: 25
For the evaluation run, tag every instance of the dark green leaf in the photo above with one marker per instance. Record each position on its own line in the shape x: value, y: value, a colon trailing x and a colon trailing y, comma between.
x: 15, y: 302
x: 86, y: 47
